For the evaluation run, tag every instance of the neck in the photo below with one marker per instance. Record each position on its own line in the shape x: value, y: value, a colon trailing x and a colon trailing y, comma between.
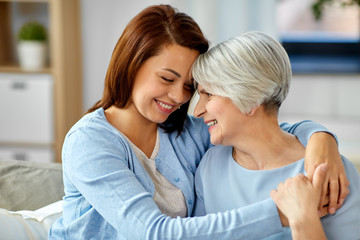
x: 266, y: 146
x: 139, y: 130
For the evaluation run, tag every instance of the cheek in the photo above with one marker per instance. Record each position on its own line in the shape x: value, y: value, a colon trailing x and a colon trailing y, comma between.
x: 187, y: 96
x: 213, y: 109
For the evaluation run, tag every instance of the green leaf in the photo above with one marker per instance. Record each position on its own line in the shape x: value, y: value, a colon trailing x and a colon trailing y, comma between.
x: 32, y: 31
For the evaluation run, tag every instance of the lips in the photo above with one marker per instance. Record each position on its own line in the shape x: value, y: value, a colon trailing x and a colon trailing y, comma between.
x: 165, y: 107
x: 212, y: 123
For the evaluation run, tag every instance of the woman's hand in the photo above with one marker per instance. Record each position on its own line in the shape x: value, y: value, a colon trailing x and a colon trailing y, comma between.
x: 298, y: 200
x: 322, y: 148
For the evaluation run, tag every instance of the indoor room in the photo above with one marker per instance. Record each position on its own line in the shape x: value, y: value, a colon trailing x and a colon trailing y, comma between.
x: 42, y: 98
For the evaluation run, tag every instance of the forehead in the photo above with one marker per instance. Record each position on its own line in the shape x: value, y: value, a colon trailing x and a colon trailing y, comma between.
x: 199, y: 88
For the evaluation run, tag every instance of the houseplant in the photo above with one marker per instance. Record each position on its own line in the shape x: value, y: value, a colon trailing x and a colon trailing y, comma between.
x: 319, y: 5
x: 32, y: 38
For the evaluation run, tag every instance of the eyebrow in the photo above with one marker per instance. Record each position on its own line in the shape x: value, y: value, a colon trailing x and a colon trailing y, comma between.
x: 200, y: 91
x: 172, y: 71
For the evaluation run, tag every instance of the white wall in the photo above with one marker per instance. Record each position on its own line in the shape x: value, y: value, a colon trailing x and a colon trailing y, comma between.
x: 332, y: 100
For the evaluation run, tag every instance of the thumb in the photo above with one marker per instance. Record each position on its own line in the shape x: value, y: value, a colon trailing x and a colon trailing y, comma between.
x: 319, y: 177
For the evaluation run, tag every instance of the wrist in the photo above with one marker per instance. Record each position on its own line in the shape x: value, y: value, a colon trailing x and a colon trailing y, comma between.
x: 283, y: 218
x: 304, y: 222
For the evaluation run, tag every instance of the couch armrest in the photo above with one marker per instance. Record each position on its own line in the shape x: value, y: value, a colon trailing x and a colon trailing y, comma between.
x: 29, y: 185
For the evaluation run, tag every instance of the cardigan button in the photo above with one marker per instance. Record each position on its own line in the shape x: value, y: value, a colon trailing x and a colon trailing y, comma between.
x: 189, y: 202
x: 157, y: 161
x: 177, y: 179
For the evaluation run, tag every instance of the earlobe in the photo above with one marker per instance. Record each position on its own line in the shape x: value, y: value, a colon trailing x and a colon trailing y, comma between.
x: 253, y: 111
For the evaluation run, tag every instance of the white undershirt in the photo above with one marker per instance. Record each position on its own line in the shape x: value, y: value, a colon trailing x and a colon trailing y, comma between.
x: 167, y: 197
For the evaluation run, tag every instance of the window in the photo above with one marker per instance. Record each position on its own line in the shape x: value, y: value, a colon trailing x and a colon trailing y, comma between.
x: 328, y: 45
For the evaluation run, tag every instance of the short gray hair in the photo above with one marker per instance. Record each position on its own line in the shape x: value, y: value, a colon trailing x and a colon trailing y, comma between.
x: 250, y: 70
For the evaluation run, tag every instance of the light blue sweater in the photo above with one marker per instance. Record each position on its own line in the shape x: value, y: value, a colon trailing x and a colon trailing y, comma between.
x: 222, y: 184
x: 109, y: 195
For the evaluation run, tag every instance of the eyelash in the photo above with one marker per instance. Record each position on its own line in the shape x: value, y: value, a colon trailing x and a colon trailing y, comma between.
x: 209, y: 95
x: 187, y: 86
x: 167, y: 79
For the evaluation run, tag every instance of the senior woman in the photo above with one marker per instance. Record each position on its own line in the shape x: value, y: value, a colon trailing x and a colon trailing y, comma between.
x: 242, y: 83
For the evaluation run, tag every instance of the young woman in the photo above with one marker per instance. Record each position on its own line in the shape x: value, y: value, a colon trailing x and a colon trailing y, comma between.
x: 242, y: 83
x: 129, y: 164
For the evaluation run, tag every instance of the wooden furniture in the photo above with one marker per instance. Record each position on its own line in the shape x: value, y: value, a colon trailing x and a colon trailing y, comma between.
x: 64, y: 70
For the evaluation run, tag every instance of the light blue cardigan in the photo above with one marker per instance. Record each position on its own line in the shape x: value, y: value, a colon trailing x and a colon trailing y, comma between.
x: 109, y: 195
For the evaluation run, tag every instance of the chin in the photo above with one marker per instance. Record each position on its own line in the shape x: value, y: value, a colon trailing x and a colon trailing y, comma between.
x: 215, y: 141
x: 160, y: 119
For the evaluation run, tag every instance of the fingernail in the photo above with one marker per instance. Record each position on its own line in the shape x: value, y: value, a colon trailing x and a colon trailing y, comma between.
x: 319, y: 212
x: 341, y: 201
x: 332, y: 210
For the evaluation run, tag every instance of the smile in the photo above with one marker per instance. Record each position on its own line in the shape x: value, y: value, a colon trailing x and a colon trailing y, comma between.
x: 165, y: 105
x: 166, y: 108
x: 212, y: 123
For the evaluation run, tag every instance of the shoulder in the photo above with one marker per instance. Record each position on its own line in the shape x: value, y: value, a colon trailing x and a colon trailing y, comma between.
x: 94, y: 119
x: 93, y: 131
x: 94, y: 123
x: 351, y: 172
x: 215, y: 159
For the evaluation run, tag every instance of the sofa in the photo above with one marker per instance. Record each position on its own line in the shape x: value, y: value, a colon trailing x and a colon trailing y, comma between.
x: 30, y: 198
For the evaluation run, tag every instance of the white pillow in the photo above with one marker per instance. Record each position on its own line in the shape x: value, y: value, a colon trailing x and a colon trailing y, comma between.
x: 24, y: 225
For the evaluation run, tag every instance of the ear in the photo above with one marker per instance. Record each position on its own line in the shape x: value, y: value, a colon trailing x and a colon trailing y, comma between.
x: 253, y: 111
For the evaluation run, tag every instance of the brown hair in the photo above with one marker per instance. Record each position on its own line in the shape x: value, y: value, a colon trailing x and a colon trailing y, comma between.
x: 142, y: 38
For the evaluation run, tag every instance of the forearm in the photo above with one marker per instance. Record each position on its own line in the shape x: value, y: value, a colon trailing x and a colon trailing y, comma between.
x: 256, y: 221
x: 308, y: 228
x: 323, y: 145
x: 305, y: 130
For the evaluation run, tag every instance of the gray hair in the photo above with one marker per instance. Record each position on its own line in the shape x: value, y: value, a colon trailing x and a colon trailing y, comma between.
x: 250, y: 70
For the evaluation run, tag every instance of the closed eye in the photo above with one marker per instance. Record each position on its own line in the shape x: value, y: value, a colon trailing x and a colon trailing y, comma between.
x: 202, y: 92
x: 167, y: 79
x: 189, y: 87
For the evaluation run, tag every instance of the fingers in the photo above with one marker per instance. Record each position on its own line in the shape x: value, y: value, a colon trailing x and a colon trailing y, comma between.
x: 310, y: 172
x: 323, y: 211
x: 344, y: 189
x: 319, y: 177
x: 324, y: 198
x: 320, y: 183
x: 334, y: 194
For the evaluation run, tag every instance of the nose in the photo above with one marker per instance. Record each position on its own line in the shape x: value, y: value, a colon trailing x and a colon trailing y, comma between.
x: 178, y: 94
x: 200, y: 109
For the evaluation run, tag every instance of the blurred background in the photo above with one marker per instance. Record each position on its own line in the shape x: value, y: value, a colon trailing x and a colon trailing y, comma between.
x: 323, y: 43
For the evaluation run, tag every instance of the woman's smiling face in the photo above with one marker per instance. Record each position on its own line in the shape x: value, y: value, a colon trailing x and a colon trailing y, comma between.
x: 163, y: 83
x: 221, y: 115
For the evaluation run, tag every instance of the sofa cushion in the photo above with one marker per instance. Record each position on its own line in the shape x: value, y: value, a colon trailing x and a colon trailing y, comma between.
x: 26, y: 225
x: 29, y: 185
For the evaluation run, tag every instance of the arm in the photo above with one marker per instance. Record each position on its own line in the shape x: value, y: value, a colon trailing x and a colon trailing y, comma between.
x: 199, y: 208
x: 321, y: 147
x: 298, y: 199
x: 99, y: 168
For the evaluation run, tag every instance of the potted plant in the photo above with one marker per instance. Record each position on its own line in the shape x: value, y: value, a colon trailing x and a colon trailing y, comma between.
x: 319, y: 5
x: 32, y: 38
